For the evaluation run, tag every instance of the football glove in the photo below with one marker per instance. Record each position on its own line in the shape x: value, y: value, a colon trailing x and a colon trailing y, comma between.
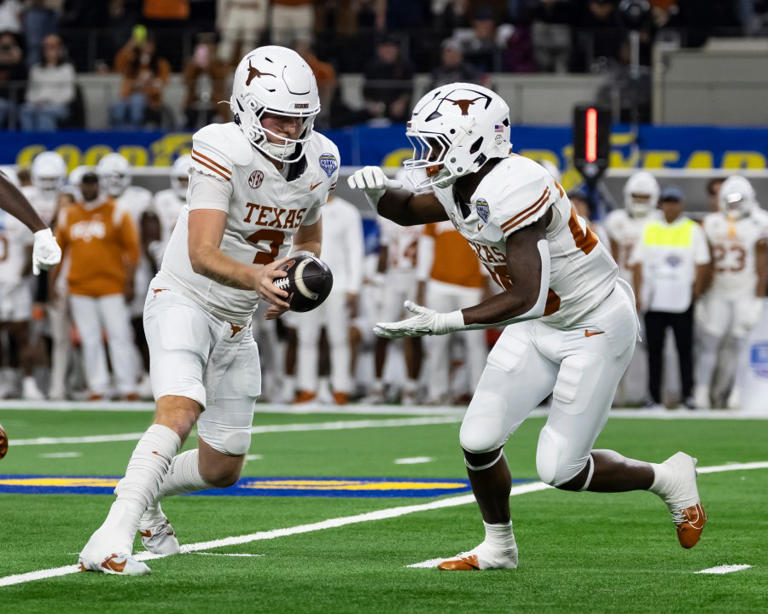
x: 423, y: 321
x: 373, y: 182
x: 46, y: 253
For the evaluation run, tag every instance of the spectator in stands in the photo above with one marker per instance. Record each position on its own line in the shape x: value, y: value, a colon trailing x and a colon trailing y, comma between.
x: 551, y: 33
x: 388, y: 83
x: 10, y: 16
x: 144, y: 76
x: 205, y: 79
x: 240, y: 24
x: 670, y: 272
x: 13, y: 73
x: 483, y: 43
x: 325, y: 75
x: 453, y: 68
x: 103, y: 247
x: 598, y: 35
x: 41, y: 19
x: 291, y: 20
x: 50, y: 90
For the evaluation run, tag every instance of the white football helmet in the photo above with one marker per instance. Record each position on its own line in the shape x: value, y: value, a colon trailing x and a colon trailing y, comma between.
x: 736, y: 198
x: 48, y: 171
x: 180, y: 176
x: 454, y: 130
x: 641, y: 194
x: 114, y: 174
x: 274, y: 80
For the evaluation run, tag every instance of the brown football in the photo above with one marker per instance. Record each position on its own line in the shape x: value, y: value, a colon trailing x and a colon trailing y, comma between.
x: 3, y: 442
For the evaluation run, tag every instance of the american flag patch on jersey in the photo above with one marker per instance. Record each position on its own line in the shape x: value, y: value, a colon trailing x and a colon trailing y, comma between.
x: 498, y: 128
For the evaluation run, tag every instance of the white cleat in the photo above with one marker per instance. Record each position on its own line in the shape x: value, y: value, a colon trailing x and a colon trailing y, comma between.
x: 701, y: 397
x: 482, y: 557
x: 160, y: 538
x: 682, y: 498
x: 102, y: 557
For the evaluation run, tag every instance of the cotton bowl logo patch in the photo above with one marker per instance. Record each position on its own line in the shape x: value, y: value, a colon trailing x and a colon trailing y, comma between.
x: 483, y: 210
x: 255, y: 179
x: 758, y: 358
x: 328, y: 163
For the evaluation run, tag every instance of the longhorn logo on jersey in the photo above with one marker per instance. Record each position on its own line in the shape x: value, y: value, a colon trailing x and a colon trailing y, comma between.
x: 87, y: 230
x: 255, y: 179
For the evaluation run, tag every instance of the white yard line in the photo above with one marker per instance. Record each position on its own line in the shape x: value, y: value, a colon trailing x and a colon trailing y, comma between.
x: 61, y: 455
x: 331, y: 523
x: 723, y: 569
x: 414, y: 460
x: 257, y: 430
x: 235, y: 554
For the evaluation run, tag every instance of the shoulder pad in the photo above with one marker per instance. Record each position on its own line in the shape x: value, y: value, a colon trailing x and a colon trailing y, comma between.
x: 218, y: 148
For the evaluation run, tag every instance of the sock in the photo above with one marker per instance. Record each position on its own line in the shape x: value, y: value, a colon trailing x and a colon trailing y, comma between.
x: 660, y: 480
x: 183, y: 476
x: 500, y: 535
x: 139, y: 488
x: 378, y: 386
x: 411, y: 386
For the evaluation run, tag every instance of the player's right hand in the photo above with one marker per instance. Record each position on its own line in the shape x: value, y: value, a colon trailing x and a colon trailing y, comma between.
x: 373, y: 182
x: 264, y: 278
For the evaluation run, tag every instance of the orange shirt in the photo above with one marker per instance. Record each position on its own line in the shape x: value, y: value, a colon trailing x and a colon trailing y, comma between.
x: 166, y: 9
x: 102, y: 242
x: 454, y: 261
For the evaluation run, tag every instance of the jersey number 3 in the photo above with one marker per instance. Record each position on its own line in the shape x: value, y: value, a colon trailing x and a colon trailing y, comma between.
x: 275, y: 239
x: 585, y: 239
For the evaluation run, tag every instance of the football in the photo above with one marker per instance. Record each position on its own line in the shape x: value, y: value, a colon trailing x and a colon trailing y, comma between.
x: 3, y: 442
x: 308, y: 283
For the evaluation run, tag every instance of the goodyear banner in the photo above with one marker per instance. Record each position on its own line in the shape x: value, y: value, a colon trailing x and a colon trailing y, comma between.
x: 653, y: 147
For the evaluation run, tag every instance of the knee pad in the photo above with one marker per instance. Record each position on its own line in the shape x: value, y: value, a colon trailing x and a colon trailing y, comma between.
x: 482, y: 429
x: 230, y: 441
x: 553, y: 462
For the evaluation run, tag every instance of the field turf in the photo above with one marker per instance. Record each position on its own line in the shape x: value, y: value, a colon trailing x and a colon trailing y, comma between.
x: 579, y: 552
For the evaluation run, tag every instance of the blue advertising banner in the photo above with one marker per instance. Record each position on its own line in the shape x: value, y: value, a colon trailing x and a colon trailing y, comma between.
x: 655, y: 147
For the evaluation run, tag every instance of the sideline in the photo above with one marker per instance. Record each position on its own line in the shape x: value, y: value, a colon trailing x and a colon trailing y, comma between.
x: 331, y: 523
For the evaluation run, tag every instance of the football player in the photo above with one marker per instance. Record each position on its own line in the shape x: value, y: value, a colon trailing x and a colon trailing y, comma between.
x: 256, y: 189
x: 738, y: 235
x: 114, y: 174
x: 570, y: 324
x: 167, y: 205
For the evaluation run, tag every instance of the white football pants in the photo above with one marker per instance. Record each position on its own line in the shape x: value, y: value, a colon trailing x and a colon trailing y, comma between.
x: 531, y: 360
x: 110, y: 312
x: 60, y: 323
x: 443, y: 298
x: 334, y: 316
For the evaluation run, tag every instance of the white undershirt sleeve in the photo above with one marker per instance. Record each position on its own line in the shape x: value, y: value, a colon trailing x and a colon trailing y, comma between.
x: 207, y: 192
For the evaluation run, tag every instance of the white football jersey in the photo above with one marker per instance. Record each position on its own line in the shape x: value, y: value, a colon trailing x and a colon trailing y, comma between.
x: 402, y: 245
x: 516, y: 193
x: 734, y: 247
x: 15, y: 238
x: 263, y: 213
x: 625, y: 230
x: 167, y: 206
x: 44, y: 202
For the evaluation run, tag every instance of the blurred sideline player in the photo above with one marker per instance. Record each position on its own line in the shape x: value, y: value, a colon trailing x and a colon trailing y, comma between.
x: 167, y: 205
x: 256, y: 189
x: 398, y: 261
x: 571, y: 326
x: 101, y: 243
x: 115, y: 179
x: 15, y: 294
x: 343, y: 253
x: 738, y: 236
x: 450, y: 276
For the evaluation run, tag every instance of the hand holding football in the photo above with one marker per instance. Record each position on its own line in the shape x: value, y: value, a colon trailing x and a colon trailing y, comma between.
x: 308, y: 283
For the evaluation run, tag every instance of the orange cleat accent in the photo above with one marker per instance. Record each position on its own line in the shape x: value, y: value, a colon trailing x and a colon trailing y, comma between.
x: 95, y: 397
x: 465, y: 563
x: 340, y: 398
x: 112, y: 563
x: 304, y: 396
x: 131, y: 396
x: 689, y: 531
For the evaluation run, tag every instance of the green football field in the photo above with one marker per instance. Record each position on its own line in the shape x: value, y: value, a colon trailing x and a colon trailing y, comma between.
x: 309, y: 551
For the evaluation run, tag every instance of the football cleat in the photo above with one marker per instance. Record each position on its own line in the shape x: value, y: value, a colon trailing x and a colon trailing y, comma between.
x: 480, y: 558
x: 682, y: 498
x: 115, y: 564
x: 160, y: 538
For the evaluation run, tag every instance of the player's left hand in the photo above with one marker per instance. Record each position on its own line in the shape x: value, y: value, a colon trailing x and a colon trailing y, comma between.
x: 423, y: 321
x: 46, y: 253
x: 274, y: 312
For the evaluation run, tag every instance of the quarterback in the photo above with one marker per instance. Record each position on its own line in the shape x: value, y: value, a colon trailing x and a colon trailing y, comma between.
x: 571, y: 325
x: 255, y: 191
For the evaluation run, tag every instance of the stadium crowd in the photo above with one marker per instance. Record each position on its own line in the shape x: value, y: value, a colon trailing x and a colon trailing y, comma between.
x: 46, y: 44
x: 77, y: 332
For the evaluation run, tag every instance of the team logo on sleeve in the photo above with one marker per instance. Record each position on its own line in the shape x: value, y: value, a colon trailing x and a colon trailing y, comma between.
x: 483, y: 210
x: 255, y: 179
x: 328, y: 163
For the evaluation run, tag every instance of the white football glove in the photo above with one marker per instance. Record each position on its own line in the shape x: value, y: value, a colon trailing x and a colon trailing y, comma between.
x: 46, y: 253
x: 373, y: 182
x: 424, y: 321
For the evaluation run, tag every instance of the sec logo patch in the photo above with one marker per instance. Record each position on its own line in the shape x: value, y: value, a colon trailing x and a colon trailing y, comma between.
x: 255, y: 179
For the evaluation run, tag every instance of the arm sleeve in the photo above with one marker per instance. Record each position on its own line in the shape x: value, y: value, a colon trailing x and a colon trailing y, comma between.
x: 208, y: 192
